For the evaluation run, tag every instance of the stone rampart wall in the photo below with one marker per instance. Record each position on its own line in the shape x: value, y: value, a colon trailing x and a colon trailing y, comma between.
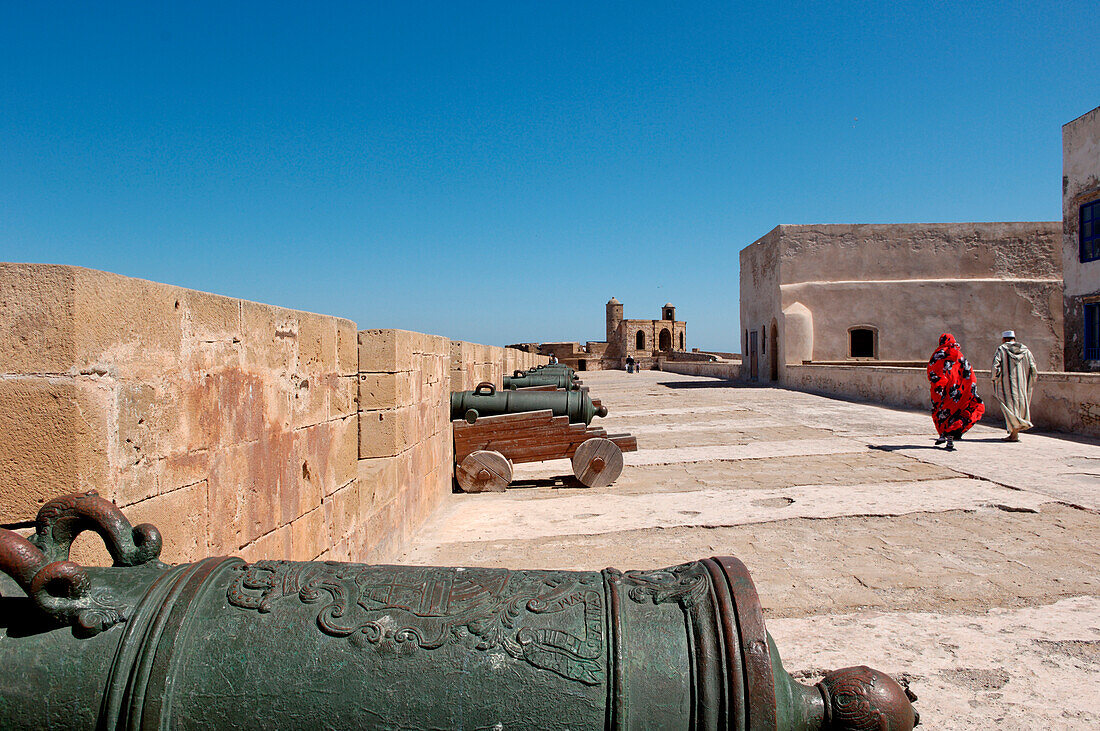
x: 229, y: 424
x: 472, y: 363
x: 730, y: 370
x: 1068, y: 402
x: 236, y: 427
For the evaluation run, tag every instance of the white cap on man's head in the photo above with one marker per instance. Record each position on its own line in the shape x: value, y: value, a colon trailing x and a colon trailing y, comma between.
x: 1008, y: 334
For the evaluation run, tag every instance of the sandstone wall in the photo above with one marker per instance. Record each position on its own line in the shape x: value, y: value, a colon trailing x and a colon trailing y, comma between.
x: 236, y: 427
x: 405, y: 446
x: 230, y: 424
x: 472, y: 363
x: 1068, y: 402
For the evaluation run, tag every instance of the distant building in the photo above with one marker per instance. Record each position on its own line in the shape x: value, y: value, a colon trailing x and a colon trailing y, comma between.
x: 883, y: 293
x: 1081, y: 241
x: 646, y: 341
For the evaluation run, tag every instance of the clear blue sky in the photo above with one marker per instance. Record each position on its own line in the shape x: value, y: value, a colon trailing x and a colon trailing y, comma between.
x: 496, y: 171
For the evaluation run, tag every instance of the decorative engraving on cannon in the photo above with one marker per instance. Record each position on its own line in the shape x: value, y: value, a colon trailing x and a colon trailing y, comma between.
x: 272, y: 643
x: 427, y: 608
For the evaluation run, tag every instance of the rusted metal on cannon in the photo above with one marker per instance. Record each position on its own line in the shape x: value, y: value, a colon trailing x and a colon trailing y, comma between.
x: 485, y: 400
x: 281, y: 644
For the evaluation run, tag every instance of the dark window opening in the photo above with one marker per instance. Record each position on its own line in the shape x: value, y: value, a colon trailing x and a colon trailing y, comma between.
x: 1092, y: 331
x: 582, y: 365
x: 639, y: 342
x: 665, y: 340
x: 862, y: 342
x: 681, y: 341
x: 1090, y: 231
x: 764, y: 339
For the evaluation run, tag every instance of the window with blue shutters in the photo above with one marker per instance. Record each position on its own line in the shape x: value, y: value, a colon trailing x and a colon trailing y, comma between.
x: 1090, y: 231
x: 1092, y: 331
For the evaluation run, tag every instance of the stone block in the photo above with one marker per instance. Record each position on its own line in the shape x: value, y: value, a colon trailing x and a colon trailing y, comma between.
x: 344, y: 395
x: 269, y: 337
x: 385, y: 351
x: 132, y: 325
x: 274, y: 545
x: 36, y: 318
x: 182, y: 519
x: 386, y: 432
x: 378, y: 481
x: 316, y: 343
x: 387, y: 390
x: 54, y: 435
x: 210, y: 316
x: 309, y: 536
x: 347, y: 347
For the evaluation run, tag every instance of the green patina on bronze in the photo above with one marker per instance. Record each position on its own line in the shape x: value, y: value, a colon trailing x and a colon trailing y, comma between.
x: 485, y: 400
x: 558, y: 379
x: 281, y: 644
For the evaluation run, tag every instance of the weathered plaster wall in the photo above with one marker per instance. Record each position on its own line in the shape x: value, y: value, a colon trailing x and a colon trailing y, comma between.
x: 908, y: 282
x: 730, y: 370
x: 230, y: 424
x: 1068, y: 402
x: 910, y: 316
x: 760, y: 303
x: 1080, y: 185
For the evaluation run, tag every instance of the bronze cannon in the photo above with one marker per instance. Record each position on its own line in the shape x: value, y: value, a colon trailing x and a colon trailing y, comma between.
x: 485, y: 400
x: 281, y: 644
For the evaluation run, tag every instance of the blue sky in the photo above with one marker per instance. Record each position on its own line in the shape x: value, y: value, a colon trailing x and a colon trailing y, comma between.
x: 496, y: 171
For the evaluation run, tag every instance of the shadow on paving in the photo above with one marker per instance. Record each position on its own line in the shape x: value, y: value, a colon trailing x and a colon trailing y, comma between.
x: 709, y: 384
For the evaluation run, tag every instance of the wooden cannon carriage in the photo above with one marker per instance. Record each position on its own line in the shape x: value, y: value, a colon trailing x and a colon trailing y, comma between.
x: 486, y: 448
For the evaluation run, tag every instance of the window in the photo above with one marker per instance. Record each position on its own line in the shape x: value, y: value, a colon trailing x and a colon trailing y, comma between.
x: 681, y: 341
x: 664, y: 340
x: 1090, y: 231
x: 764, y: 339
x: 639, y: 341
x: 861, y: 343
x: 1092, y: 331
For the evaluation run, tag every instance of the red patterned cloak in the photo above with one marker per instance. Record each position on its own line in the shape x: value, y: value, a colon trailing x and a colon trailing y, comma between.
x: 956, y: 405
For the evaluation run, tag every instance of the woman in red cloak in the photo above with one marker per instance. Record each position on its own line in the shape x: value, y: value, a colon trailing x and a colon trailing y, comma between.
x: 955, y: 402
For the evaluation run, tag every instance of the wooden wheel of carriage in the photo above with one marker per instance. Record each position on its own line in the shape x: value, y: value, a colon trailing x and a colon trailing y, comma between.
x: 597, y: 462
x: 484, y: 471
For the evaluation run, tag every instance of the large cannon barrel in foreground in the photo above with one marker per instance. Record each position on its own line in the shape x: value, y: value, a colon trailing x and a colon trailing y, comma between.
x: 556, y: 379
x: 281, y: 644
x: 485, y: 400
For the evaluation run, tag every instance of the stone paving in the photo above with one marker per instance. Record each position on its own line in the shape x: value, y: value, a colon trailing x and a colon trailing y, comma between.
x: 973, y: 573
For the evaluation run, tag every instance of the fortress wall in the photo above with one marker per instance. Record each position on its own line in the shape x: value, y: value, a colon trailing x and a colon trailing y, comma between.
x: 405, y: 446
x: 1068, y: 402
x: 229, y: 424
x: 729, y: 370
x: 234, y: 426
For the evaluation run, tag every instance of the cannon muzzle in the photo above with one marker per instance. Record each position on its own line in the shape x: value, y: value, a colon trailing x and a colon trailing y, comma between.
x: 283, y: 645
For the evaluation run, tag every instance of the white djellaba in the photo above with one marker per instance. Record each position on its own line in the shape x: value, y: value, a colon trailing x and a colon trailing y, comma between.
x: 1014, y: 373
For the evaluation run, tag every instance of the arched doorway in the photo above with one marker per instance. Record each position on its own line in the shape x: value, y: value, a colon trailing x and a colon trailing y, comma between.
x: 773, y: 352
x: 639, y: 341
x: 664, y: 340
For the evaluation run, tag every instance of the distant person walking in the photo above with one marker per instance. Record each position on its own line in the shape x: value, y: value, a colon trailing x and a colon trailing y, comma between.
x: 1014, y: 373
x: 955, y: 403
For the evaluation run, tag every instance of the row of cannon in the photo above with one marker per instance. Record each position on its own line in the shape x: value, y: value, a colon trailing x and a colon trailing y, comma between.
x: 542, y: 414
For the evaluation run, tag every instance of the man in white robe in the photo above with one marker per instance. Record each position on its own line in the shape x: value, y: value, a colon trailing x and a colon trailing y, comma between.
x: 1014, y: 373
